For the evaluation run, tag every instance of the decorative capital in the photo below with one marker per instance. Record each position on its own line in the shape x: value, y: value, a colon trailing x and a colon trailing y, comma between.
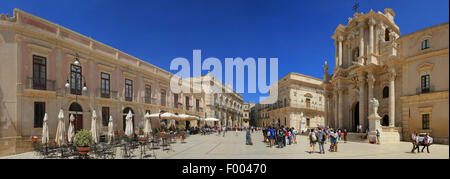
x: 371, y: 21
x: 391, y: 74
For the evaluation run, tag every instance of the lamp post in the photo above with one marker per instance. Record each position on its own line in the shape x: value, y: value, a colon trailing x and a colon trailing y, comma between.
x: 74, y: 79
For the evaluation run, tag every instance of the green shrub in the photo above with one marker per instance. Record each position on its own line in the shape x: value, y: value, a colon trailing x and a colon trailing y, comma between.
x: 181, y: 128
x: 83, y: 138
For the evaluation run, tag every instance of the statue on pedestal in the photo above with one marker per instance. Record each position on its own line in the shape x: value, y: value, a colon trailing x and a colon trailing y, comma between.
x: 374, y: 120
x: 374, y: 103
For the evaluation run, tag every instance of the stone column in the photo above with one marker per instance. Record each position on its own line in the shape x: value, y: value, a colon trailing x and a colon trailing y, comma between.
x: 336, y: 61
x: 362, y: 98
x: 370, y: 82
x: 371, y: 36
x: 341, y: 112
x: 392, y: 97
x: 340, y: 38
x: 336, y: 107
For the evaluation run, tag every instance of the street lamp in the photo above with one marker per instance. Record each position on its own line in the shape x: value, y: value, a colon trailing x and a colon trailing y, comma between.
x: 68, y: 85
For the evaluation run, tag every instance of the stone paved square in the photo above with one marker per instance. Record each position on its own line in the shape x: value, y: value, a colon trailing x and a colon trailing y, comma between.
x: 233, y: 147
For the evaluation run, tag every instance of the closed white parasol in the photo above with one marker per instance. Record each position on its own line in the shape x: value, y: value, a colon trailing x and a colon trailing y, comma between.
x: 71, y: 131
x: 110, y: 129
x: 45, y: 137
x: 60, y: 138
x: 147, y: 125
x: 94, y: 127
x: 129, y: 124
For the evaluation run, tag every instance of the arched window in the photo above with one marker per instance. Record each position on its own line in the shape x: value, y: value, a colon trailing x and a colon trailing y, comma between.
x: 386, y: 35
x: 385, y: 92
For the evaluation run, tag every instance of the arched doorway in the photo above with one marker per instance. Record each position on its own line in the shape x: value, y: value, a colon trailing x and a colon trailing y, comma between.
x: 125, y: 112
x: 355, y: 117
x: 77, y: 112
x: 385, y: 120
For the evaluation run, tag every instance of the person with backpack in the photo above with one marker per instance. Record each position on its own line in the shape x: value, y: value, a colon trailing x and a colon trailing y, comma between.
x: 332, y: 140
x: 321, y: 137
x: 312, y: 140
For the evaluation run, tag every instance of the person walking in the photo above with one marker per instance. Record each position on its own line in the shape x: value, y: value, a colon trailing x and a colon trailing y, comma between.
x: 224, y: 130
x: 294, y: 133
x: 247, y: 137
x: 264, y: 133
x: 289, y: 135
x: 414, y: 139
x: 312, y: 140
x: 426, y: 142
x: 345, y: 135
x: 272, y: 136
x: 332, y: 141
x: 335, y: 141
x: 321, y: 137
x: 236, y: 129
x: 283, y: 133
x: 378, y: 136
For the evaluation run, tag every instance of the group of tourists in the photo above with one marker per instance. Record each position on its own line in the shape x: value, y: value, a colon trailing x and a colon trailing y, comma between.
x: 321, y: 134
x: 418, y: 141
x: 280, y: 136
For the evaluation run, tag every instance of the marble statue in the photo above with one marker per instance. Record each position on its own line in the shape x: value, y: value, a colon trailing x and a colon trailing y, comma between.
x: 374, y: 103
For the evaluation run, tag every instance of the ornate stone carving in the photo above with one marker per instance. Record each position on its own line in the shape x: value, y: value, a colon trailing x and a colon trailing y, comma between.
x: 371, y: 80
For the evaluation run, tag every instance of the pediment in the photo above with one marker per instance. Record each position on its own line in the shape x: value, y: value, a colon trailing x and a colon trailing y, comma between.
x: 425, y: 66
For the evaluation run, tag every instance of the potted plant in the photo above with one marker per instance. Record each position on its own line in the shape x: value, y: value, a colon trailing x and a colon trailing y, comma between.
x: 83, y: 141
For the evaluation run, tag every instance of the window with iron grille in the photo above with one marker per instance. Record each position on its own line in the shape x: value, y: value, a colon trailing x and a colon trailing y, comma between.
x: 425, y: 83
x: 105, y: 116
x: 105, y: 85
x: 39, y: 72
x: 187, y: 102
x: 425, y: 121
x: 128, y: 90
x: 175, y: 100
x: 39, y: 112
x: 75, y: 82
x: 197, y: 105
x: 163, y: 97
x: 148, y: 94
x: 425, y: 44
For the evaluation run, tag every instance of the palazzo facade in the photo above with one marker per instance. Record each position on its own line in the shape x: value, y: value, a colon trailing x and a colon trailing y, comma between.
x: 300, y: 104
x: 39, y: 74
x: 408, y: 76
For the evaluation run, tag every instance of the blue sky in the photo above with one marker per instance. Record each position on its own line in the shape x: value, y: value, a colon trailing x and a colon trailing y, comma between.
x: 298, y: 33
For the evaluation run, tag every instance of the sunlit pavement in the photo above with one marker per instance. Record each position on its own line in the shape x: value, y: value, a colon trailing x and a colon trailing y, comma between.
x: 233, y: 147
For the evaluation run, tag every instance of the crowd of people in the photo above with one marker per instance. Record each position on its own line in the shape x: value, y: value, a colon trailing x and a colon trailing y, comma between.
x: 280, y: 136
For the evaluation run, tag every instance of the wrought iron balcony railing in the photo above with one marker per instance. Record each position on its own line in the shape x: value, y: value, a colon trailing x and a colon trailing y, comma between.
x: 40, y: 84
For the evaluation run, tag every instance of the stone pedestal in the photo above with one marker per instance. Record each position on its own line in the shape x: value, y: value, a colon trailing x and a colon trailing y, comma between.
x: 374, y: 124
x: 390, y: 135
